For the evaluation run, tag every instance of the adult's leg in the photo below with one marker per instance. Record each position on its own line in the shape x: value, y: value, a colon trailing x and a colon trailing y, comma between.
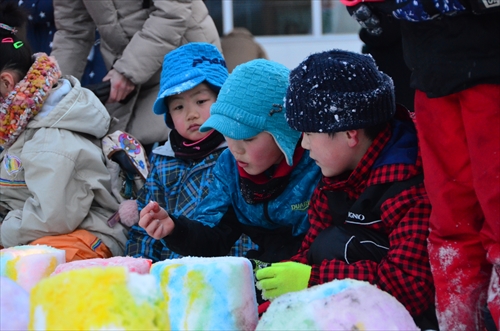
x: 456, y: 253
x: 494, y: 296
x: 481, y: 114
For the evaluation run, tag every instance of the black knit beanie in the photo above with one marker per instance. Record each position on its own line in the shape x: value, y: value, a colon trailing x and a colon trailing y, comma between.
x: 337, y: 91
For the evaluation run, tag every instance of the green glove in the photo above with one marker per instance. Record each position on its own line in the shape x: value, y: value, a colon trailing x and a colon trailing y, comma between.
x: 281, y: 278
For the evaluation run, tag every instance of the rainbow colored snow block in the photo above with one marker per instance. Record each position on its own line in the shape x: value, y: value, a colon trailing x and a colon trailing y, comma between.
x: 29, y: 264
x: 208, y: 293
x: 346, y: 304
x: 98, y: 298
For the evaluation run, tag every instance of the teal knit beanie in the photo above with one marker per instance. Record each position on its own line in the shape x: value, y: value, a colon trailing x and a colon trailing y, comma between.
x: 251, y: 101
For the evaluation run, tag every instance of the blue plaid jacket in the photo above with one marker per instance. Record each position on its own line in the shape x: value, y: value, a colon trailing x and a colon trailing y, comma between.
x: 178, y: 186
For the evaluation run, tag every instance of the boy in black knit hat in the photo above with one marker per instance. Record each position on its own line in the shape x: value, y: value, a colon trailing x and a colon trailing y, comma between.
x: 369, y: 214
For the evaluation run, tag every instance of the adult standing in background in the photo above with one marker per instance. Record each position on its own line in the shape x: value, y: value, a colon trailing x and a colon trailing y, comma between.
x: 453, y: 50
x: 387, y: 50
x: 40, y: 30
x: 135, y: 36
x: 239, y: 46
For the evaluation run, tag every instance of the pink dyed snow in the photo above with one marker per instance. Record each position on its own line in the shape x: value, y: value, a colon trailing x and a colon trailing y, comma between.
x: 137, y: 265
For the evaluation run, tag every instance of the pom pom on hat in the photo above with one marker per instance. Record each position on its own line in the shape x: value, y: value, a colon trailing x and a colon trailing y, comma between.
x: 251, y: 101
x: 186, y: 67
x: 336, y: 91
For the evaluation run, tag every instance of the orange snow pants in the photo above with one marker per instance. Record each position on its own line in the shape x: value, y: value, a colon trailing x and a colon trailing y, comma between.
x: 79, y: 245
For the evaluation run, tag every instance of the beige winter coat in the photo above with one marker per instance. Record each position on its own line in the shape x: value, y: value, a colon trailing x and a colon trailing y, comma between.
x: 54, y: 180
x: 134, y: 41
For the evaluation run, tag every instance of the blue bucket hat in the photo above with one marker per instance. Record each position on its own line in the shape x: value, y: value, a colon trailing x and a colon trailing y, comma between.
x: 251, y: 101
x: 186, y: 67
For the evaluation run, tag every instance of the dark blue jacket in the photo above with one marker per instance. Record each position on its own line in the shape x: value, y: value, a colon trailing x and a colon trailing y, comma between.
x: 452, y: 53
x: 276, y: 226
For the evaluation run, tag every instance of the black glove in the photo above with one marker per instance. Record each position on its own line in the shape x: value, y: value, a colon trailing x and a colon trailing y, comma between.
x: 366, y: 18
x: 102, y: 90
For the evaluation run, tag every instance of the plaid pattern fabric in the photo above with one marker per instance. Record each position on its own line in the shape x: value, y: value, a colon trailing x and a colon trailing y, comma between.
x: 178, y: 186
x: 405, y: 271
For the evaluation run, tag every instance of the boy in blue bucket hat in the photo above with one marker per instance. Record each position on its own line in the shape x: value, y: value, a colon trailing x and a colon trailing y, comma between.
x: 182, y: 168
x: 262, y: 183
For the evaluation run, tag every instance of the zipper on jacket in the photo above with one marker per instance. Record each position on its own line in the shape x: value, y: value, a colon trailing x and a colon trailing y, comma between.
x: 266, y: 213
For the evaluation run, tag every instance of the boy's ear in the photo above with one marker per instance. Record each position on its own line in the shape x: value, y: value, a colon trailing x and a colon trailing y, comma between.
x: 353, y: 137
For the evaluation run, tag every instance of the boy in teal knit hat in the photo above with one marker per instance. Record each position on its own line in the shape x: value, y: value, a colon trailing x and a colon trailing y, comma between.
x: 183, y: 168
x: 262, y: 183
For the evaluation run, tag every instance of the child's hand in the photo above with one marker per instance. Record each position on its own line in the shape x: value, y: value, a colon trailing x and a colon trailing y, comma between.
x: 281, y: 278
x: 155, y: 221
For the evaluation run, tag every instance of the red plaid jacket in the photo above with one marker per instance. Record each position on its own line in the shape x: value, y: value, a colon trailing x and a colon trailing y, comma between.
x: 405, y: 272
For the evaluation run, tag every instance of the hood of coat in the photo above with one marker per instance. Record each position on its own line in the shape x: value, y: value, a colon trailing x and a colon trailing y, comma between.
x: 78, y: 110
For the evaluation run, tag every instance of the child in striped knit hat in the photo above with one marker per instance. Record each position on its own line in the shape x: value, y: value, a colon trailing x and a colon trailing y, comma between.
x: 54, y: 184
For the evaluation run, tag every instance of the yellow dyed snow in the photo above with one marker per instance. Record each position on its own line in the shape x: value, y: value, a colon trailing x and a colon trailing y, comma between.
x: 164, y: 279
x: 93, y: 298
x: 197, y: 289
x: 10, y: 268
x: 50, y: 269
x: 196, y: 286
x: 360, y: 326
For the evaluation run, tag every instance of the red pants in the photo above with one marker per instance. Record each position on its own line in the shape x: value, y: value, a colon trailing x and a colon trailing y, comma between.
x: 460, y: 140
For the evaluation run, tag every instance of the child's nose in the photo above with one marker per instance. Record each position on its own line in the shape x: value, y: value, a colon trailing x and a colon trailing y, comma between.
x: 192, y: 113
x: 305, y: 143
x: 234, y: 147
x: 237, y: 150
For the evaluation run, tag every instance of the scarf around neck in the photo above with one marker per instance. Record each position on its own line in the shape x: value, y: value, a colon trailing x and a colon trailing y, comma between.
x: 269, y: 184
x: 194, y: 150
x: 27, y: 98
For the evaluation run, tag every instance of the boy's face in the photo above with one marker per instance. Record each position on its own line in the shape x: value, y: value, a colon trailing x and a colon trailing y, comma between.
x: 190, y: 109
x: 257, y: 154
x: 334, y: 155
